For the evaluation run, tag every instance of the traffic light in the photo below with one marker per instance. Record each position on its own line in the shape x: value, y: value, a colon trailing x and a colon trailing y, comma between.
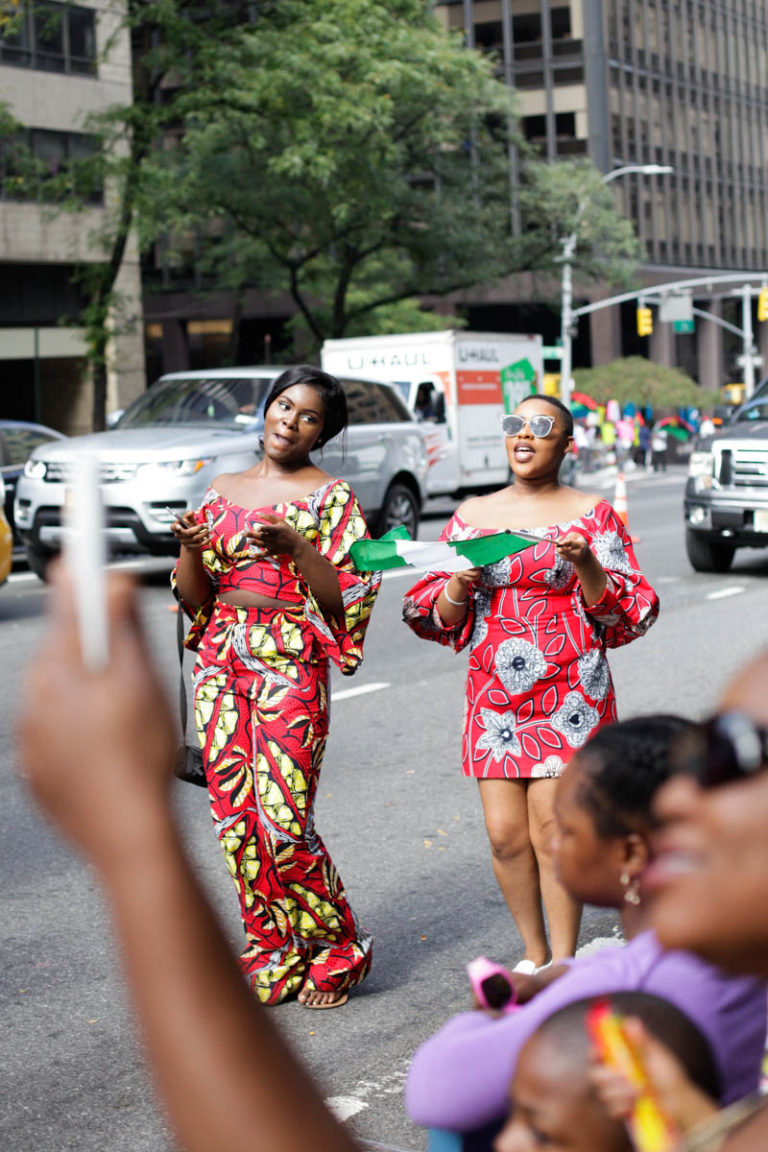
x: 762, y: 304
x: 645, y: 321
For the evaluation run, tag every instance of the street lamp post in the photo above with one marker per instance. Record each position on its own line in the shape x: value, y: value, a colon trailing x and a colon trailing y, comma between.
x: 569, y: 250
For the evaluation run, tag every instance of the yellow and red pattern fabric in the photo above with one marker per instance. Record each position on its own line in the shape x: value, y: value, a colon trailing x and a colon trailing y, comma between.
x: 261, y: 711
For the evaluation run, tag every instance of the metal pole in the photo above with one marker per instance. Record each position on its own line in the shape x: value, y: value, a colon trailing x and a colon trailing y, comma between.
x: 36, y: 379
x: 746, y: 323
x: 567, y: 315
x: 509, y: 80
x: 566, y: 319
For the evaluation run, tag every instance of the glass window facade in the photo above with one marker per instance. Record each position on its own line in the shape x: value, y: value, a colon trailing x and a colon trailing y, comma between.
x: 51, y: 37
x: 675, y: 82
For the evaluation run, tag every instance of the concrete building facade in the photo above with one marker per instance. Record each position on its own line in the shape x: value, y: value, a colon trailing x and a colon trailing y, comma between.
x: 58, y: 64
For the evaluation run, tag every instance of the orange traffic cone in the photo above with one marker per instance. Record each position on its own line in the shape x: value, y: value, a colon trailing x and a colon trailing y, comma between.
x: 620, y: 503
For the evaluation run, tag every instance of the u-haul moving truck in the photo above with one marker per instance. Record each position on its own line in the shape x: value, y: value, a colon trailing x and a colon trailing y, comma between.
x: 459, y: 384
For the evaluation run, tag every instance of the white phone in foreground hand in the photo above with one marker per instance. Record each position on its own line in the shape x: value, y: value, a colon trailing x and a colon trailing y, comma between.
x: 85, y: 552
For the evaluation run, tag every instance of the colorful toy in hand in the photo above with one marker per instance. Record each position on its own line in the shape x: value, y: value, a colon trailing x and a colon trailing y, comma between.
x: 649, y: 1129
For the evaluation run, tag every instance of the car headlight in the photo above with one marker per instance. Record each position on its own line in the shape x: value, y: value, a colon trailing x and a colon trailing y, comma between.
x: 180, y: 467
x: 35, y: 469
x: 701, y: 464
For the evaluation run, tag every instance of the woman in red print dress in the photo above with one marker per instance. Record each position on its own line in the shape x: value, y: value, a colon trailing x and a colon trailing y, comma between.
x: 537, y: 625
x: 265, y: 573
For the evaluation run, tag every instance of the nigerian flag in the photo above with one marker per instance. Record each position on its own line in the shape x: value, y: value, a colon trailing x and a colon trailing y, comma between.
x: 397, y: 550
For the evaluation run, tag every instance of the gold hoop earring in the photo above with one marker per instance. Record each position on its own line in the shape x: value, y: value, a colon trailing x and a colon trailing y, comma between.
x: 630, y: 886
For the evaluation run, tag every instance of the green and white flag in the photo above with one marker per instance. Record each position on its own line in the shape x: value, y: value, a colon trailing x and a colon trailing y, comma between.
x: 397, y: 550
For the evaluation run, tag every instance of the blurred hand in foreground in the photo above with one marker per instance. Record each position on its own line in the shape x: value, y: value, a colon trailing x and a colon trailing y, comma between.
x: 97, y: 747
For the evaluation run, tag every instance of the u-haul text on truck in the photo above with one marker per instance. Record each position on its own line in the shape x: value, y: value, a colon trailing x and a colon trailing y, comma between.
x: 458, y: 384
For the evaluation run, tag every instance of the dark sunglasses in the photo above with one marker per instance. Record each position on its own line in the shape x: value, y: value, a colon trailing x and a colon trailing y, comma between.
x: 729, y: 746
x: 540, y: 426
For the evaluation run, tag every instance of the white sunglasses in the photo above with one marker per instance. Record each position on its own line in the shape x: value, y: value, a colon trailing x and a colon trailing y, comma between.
x: 540, y: 426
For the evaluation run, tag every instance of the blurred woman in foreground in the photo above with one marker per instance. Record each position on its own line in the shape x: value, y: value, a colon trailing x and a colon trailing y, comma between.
x: 460, y: 1077
x: 709, y: 884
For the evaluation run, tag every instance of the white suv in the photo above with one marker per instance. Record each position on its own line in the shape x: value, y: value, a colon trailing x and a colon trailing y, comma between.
x: 169, y: 444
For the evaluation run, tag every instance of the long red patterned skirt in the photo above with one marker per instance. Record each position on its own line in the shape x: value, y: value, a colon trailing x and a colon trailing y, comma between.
x: 261, y: 708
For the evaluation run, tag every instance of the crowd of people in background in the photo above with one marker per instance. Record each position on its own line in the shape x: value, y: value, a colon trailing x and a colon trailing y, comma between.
x: 635, y: 437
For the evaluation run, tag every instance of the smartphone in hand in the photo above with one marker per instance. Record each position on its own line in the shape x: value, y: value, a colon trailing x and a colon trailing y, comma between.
x: 85, y: 554
x: 492, y: 984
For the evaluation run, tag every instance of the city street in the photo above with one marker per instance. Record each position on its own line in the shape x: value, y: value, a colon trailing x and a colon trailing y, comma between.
x: 403, y: 826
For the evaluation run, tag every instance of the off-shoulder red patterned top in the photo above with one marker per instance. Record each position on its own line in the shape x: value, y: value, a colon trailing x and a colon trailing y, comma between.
x: 330, y: 518
x: 538, y: 680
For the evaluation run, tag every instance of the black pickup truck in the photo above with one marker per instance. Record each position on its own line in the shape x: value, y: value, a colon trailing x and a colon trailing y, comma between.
x: 726, y: 496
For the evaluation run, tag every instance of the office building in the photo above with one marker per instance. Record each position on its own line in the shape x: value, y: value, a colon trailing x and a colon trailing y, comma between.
x: 58, y: 63
x: 682, y: 83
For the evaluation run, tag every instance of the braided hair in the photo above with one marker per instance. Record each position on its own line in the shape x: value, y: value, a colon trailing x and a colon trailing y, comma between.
x: 622, y: 767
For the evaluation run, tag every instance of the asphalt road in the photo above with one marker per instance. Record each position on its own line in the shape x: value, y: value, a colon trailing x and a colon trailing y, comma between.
x: 402, y: 824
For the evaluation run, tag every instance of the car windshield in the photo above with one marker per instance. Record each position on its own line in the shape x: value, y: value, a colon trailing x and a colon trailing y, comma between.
x: 230, y: 403
x: 754, y: 412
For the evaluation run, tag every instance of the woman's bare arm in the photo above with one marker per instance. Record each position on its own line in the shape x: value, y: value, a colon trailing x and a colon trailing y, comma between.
x: 192, y: 579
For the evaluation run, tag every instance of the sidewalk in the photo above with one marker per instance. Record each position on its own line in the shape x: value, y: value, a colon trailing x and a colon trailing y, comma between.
x: 606, y: 477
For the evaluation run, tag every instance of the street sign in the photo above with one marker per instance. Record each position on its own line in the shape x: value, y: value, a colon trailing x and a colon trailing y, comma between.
x: 684, y: 326
x: 552, y: 351
x: 676, y: 307
x: 756, y: 360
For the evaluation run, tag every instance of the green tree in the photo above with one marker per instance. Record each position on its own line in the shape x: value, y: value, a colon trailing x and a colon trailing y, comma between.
x: 565, y: 196
x: 356, y: 155
x: 642, y: 382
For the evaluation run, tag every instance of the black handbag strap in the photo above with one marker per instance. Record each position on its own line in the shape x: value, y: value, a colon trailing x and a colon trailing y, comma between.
x: 182, y: 685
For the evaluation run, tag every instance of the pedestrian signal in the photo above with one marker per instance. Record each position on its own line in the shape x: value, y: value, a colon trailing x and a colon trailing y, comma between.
x: 645, y: 322
x: 762, y: 304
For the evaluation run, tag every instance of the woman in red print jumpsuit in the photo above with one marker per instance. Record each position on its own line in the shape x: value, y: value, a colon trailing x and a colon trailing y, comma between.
x: 537, y: 625
x: 265, y: 574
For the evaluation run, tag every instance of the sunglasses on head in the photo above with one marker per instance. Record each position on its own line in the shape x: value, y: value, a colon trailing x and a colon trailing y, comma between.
x: 540, y: 426
x: 729, y: 746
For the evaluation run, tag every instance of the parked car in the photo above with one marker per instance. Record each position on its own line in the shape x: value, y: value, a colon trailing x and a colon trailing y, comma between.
x: 173, y: 440
x: 18, y: 439
x: 726, y: 495
x: 760, y: 393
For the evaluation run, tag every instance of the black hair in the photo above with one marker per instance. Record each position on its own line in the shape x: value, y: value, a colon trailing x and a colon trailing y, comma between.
x: 664, y: 1021
x: 553, y: 400
x: 623, y: 766
x: 327, y: 386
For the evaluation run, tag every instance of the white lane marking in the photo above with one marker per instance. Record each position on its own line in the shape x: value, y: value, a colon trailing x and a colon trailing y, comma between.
x: 344, y: 1107
x: 361, y: 690
x: 140, y: 562
x: 599, y: 943
x: 381, y: 1147
x: 398, y: 573
x: 392, y: 1083
x: 731, y: 590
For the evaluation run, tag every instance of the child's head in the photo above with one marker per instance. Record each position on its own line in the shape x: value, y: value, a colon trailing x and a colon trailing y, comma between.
x: 603, y: 807
x: 553, y: 1103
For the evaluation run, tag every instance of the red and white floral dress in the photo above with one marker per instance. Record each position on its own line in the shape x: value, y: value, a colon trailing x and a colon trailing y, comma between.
x: 538, y: 682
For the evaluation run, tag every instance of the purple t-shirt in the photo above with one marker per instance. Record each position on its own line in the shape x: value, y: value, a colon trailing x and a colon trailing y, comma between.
x: 460, y: 1077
